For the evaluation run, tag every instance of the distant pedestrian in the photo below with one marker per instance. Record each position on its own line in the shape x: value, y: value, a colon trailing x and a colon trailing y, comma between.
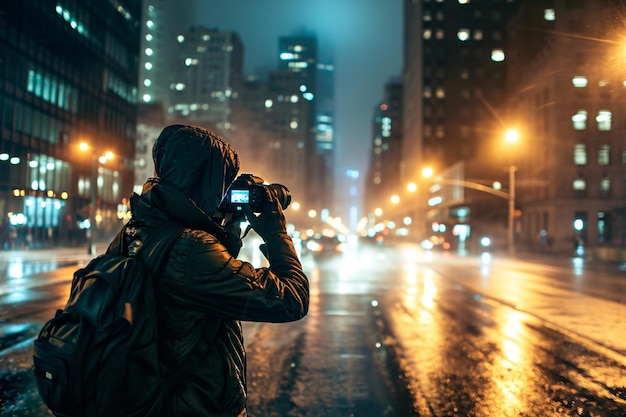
x: 204, y: 291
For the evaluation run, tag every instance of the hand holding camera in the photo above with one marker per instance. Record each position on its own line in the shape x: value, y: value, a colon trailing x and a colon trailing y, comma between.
x: 270, y: 221
x: 250, y: 195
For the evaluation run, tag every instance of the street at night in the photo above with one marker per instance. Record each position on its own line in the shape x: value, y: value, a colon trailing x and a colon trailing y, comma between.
x: 394, y: 331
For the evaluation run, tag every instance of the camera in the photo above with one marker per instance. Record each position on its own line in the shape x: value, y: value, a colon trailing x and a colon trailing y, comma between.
x: 248, y: 189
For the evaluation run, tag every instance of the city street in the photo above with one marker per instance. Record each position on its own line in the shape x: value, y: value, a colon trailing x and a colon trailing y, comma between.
x: 393, y: 331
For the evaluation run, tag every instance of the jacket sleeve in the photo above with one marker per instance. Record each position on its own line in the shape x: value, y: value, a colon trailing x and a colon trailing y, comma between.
x: 203, y: 276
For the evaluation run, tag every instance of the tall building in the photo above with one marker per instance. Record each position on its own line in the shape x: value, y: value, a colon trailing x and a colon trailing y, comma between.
x: 298, y: 55
x: 68, y: 75
x: 386, y: 149
x: 273, y: 129
x: 206, y: 77
x: 567, y: 87
x: 325, y: 146
x: 455, y: 67
x: 162, y: 22
x: 454, y: 78
x: 193, y: 74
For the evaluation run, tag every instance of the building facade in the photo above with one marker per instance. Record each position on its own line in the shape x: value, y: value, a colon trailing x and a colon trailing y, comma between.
x: 455, y: 69
x: 567, y: 85
x: 68, y: 75
x: 386, y: 150
x: 206, y: 77
x: 192, y: 74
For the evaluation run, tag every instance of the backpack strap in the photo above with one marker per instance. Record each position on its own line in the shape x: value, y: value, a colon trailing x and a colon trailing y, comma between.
x: 154, y: 252
x: 155, y: 248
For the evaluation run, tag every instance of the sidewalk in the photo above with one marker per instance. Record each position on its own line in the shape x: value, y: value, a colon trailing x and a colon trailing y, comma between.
x: 78, y: 253
x: 22, y: 270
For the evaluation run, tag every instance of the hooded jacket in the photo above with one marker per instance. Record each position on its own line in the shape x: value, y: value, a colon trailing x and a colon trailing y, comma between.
x: 203, y: 291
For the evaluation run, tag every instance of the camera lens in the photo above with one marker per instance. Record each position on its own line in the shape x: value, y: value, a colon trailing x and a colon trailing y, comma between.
x: 282, y: 194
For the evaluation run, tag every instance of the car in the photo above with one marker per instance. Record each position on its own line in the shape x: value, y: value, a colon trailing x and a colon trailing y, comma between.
x: 324, y: 245
x: 435, y: 243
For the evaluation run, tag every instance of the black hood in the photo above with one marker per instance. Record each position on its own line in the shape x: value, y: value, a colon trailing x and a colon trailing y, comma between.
x: 198, y: 162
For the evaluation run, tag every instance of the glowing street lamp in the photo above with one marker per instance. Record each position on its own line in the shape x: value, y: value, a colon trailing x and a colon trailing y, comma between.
x: 511, y: 136
x: 93, y: 190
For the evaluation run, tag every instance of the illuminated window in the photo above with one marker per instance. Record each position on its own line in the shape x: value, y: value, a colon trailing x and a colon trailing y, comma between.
x: 478, y: 35
x: 579, y: 120
x: 439, y: 34
x: 604, y: 155
x: 604, y: 222
x: 463, y: 34
x: 497, y: 55
x: 441, y: 93
x: 580, y: 81
x: 604, y: 120
x: 580, y: 154
x: 579, y: 184
x: 605, y: 187
x: 428, y: 33
x: 427, y: 92
x: 464, y: 1
x: 549, y: 15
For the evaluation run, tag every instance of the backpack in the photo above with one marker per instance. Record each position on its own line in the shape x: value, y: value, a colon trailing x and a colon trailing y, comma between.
x: 98, y: 356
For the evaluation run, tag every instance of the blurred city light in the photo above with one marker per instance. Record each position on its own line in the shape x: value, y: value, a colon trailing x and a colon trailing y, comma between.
x: 511, y: 136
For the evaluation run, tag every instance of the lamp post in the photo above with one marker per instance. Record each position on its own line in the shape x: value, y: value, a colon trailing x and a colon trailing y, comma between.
x: 511, y: 226
x: 93, y: 197
x: 510, y: 196
x: 511, y: 136
x: 93, y: 193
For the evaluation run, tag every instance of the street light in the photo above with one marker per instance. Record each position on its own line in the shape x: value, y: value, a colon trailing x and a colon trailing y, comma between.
x: 511, y: 136
x: 511, y: 232
x: 93, y: 191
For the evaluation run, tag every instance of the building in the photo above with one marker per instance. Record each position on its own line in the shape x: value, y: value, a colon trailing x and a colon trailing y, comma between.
x: 68, y: 75
x: 193, y: 74
x: 567, y: 88
x: 325, y: 137
x: 275, y: 133
x: 454, y: 78
x: 298, y: 55
x: 162, y: 22
x: 205, y: 78
x: 383, y: 173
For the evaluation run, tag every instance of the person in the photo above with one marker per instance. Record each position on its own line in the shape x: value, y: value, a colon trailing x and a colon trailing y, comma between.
x: 204, y: 291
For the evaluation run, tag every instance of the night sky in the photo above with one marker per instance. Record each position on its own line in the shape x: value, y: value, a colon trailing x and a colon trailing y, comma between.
x: 363, y: 38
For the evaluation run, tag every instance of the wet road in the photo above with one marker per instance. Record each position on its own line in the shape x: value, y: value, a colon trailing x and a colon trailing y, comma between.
x: 393, y: 331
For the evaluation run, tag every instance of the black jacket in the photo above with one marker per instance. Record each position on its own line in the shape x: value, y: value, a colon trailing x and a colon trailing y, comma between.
x: 204, y: 291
